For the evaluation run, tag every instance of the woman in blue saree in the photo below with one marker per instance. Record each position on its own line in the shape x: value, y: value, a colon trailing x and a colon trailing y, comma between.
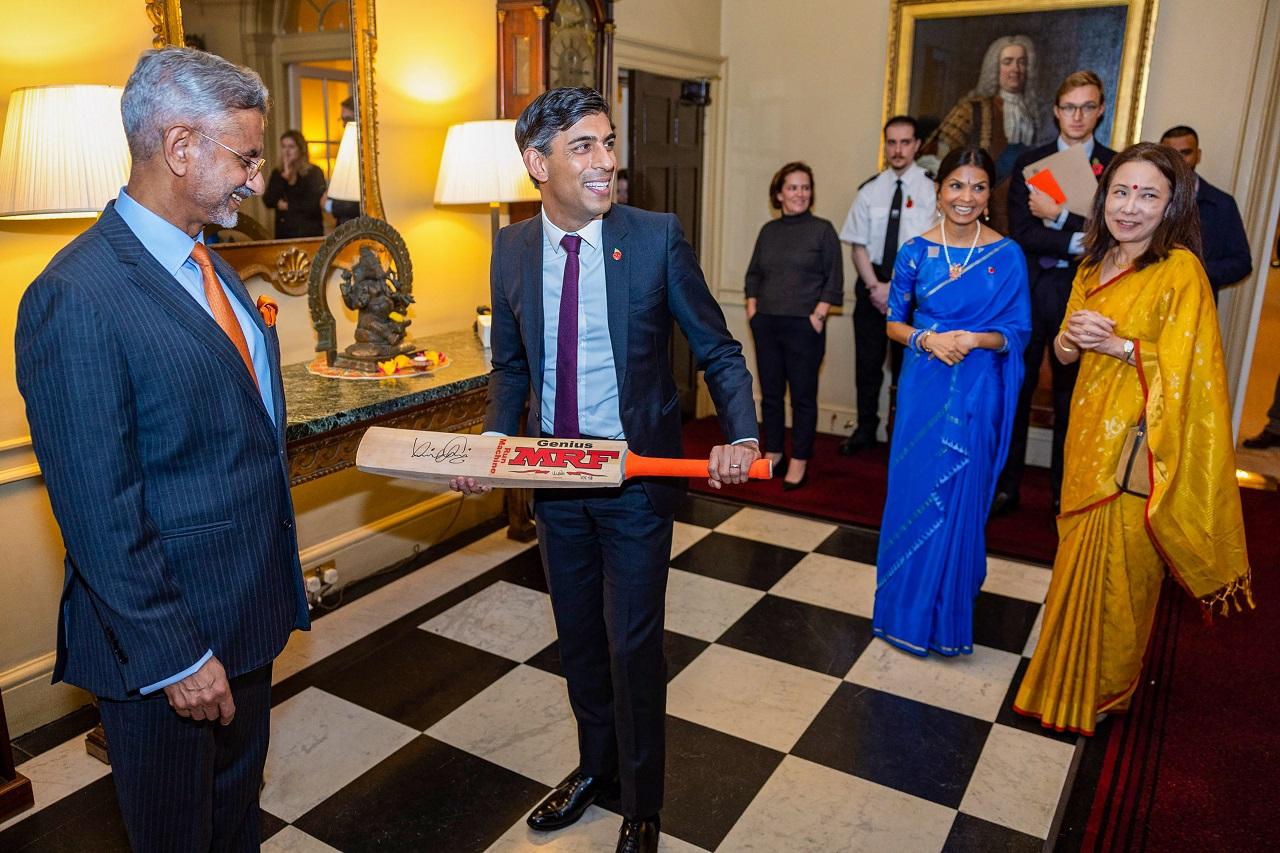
x: 959, y: 302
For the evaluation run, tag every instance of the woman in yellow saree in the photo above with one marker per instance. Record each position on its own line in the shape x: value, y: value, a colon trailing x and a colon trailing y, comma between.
x: 1141, y: 320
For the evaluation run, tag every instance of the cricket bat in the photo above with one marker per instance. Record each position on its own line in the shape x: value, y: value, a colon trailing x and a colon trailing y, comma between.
x: 518, y: 462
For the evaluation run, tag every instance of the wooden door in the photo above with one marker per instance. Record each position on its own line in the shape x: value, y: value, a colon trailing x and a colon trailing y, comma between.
x: 666, y: 174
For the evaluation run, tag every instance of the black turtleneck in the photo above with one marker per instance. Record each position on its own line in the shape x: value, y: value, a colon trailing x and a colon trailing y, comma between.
x: 796, y: 264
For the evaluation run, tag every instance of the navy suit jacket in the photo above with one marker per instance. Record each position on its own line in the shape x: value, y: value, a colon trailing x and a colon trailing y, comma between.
x: 167, y: 476
x: 651, y: 278
x: 1037, y: 239
x: 1226, y: 248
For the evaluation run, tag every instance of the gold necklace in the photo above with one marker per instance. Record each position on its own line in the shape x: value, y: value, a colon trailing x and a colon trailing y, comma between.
x: 954, y: 270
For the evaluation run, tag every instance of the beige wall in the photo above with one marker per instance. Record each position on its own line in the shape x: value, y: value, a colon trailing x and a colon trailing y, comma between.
x: 690, y: 25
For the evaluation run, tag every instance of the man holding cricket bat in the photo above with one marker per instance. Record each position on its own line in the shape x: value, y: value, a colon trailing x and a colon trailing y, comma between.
x: 583, y: 300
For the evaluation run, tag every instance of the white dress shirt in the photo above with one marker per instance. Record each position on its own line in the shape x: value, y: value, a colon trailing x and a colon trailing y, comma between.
x: 868, y: 218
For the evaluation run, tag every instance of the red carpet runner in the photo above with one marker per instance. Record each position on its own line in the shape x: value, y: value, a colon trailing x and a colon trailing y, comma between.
x: 1195, y: 765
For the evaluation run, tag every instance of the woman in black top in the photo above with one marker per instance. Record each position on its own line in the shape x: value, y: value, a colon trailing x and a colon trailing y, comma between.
x: 794, y: 278
x: 294, y: 190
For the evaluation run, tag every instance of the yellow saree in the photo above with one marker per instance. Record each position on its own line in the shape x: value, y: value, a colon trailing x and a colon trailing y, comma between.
x: 1113, y: 547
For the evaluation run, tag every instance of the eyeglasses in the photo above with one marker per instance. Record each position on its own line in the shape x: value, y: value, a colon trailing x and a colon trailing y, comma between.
x: 1080, y: 109
x: 252, y: 165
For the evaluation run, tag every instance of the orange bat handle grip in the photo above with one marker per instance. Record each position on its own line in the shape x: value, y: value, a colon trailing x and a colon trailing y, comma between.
x: 636, y: 465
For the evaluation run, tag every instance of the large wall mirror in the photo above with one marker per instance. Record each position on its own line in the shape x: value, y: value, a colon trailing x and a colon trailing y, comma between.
x: 316, y: 57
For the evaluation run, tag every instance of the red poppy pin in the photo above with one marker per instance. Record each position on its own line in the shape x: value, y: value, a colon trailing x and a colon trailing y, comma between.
x: 991, y: 270
x: 268, y: 308
x: 1097, y: 168
x: 617, y: 254
x: 910, y: 203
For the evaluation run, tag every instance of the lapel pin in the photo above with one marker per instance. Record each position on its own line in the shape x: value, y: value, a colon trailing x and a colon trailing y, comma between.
x: 617, y: 254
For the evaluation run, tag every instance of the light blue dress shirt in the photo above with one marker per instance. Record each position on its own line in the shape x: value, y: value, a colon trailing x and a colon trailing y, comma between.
x: 599, y: 414
x: 171, y: 246
x: 1077, y: 237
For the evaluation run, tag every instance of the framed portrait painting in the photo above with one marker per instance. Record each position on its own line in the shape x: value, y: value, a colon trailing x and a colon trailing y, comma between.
x: 946, y: 69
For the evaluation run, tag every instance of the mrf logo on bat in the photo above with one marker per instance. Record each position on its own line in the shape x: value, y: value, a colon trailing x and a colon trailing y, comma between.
x: 548, y: 455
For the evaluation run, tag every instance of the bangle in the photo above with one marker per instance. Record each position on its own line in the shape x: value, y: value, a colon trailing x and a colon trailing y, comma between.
x: 1061, y: 345
x: 923, y: 348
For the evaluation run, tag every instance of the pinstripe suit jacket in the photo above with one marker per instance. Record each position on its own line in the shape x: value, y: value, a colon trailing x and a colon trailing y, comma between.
x: 166, y: 474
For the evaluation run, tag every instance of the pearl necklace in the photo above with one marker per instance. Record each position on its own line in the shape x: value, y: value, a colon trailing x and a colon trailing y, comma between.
x: 954, y: 270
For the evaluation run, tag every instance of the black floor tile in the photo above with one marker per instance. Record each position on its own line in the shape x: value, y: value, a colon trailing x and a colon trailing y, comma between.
x: 87, y: 820
x: 524, y: 569
x: 425, y: 796
x: 417, y: 678
x: 1011, y: 718
x: 815, y: 638
x: 60, y: 730
x: 711, y: 779
x: 851, y: 543
x: 738, y: 560
x: 680, y: 651
x: 19, y: 754
x: 923, y: 750
x: 705, y: 512
x: 268, y: 824
x: 1003, y: 623
x: 974, y: 835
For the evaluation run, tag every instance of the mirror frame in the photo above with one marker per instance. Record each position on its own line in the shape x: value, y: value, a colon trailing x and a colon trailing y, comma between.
x: 287, y: 263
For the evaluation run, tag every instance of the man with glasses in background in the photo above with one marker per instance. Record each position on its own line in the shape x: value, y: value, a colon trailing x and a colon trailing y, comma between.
x: 153, y: 391
x: 1053, y: 240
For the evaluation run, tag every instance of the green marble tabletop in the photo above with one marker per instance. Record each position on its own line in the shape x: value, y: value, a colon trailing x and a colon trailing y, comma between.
x: 321, y: 404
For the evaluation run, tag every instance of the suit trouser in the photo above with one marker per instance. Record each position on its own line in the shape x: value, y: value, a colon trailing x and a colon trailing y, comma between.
x: 186, y: 785
x: 605, y: 553
x: 1273, y: 414
x: 870, y: 344
x: 788, y: 353
x: 1050, y: 291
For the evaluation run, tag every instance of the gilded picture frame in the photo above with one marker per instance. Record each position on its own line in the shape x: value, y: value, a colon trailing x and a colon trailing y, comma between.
x: 945, y: 40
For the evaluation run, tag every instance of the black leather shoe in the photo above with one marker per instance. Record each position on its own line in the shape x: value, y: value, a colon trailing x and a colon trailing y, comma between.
x: 639, y: 835
x: 791, y: 487
x: 568, y: 801
x: 857, y: 442
x: 1003, y: 504
x: 1264, y: 440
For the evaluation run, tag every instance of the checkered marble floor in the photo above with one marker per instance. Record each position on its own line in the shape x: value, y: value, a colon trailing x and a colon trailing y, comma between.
x: 430, y: 715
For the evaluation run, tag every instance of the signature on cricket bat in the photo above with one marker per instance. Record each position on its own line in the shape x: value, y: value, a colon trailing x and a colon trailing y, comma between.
x: 454, y: 451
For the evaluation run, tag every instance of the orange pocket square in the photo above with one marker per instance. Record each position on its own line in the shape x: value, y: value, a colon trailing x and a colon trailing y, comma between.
x: 268, y: 308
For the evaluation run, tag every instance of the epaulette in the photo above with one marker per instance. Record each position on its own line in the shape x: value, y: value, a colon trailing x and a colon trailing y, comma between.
x: 868, y: 180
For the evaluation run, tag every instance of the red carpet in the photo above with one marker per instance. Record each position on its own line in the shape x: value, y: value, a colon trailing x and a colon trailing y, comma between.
x: 851, y: 489
x: 1195, y: 764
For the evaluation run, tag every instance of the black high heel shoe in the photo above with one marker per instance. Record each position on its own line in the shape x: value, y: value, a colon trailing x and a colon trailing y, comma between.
x: 780, y: 467
x: 791, y: 487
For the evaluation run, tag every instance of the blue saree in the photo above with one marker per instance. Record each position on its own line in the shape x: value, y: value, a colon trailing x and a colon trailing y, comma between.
x: 950, y: 438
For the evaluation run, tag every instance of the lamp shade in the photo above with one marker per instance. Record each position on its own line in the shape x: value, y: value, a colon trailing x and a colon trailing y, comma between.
x: 344, y: 183
x: 482, y: 165
x: 64, y: 153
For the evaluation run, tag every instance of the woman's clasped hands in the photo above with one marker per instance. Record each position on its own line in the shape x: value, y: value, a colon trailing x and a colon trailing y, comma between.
x: 950, y: 347
x: 1090, y: 330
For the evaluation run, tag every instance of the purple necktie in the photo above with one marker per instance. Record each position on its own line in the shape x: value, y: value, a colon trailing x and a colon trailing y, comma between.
x: 566, y: 419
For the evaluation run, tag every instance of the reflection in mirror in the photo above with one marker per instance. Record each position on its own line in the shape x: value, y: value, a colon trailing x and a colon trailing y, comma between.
x: 303, y: 51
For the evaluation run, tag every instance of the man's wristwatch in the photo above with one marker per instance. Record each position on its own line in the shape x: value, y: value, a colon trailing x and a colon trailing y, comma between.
x: 1128, y: 349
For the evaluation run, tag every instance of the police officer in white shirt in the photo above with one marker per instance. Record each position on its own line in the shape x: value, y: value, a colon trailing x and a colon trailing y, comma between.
x: 891, y: 208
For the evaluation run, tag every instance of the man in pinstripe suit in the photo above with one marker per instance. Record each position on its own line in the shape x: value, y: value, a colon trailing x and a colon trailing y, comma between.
x: 157, y: 414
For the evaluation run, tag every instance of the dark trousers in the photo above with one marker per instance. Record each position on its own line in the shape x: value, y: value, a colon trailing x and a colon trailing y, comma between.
x: 788, y: 353
x: 1050, y: 290
x: 870, y: 344
x: 605, y: 553
x: 185, y: 785
x: 1273, y: 414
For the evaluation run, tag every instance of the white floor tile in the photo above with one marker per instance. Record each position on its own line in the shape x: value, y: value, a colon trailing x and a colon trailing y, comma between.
x: 776, y: 528
x: 58, y: 772
x: 1018, y: 780
x: 1034, y: 637
x: 1016, y: 580
x: 294, y: 840
x: 752, y: 697
x: 686, y: 535
x: 339, y: 629
x: 595, y: 831
x: 703, y: 607
x: 831, y: 582
x: 504, y: 618
x: 522, y: 722
x: 969, y: 684
x: 808, y: 808
x: 319, y: 743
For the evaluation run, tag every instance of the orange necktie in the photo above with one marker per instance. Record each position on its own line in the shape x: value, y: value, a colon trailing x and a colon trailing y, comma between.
x: 221, y: 307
